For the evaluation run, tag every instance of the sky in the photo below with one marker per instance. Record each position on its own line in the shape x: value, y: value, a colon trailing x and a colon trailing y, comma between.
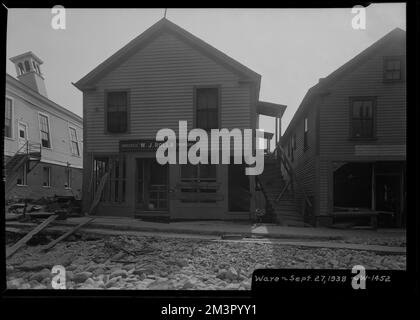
x: 290, y: 48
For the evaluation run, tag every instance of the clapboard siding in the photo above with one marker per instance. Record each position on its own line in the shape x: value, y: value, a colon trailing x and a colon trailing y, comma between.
x: 304, y: 161
x: 161, y: 78
x: 365, y: 80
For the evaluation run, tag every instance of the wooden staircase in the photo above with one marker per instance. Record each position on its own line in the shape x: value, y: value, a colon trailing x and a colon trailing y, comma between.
x: 279, y: 190
x: 28, y: 155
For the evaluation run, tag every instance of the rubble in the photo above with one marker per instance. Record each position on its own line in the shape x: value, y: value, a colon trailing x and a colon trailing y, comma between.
x: 149, y: 263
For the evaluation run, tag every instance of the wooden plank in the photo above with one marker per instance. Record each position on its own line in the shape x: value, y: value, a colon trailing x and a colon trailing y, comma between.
x: 98, y: 193
x: 25, y: 239
x: 68, y: 233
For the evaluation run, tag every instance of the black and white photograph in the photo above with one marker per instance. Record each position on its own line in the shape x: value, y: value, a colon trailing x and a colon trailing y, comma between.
x: 181, y: 149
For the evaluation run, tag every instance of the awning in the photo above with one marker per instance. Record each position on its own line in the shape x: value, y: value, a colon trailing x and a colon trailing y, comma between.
x: 270, y: 109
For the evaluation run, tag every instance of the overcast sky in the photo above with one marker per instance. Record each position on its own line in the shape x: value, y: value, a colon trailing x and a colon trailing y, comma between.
x: 290, y: 48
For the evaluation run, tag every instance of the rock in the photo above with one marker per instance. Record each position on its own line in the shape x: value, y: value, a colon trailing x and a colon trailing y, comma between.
x: 118, y: 273
x: 112, y: 281
x: 89, y: 282
x: 259, y: 266
x: 39, y: 287
x: 14, y: 284
x: 231, y: 274
x: 181, y: 262
x: 9, y: 269
x: 41, y: 275
x: 233, y: 286
x: 246, y: 285
x: 221, y: 274
x: 81, y: 276
x: 190, y: 283
x: 25, y: 286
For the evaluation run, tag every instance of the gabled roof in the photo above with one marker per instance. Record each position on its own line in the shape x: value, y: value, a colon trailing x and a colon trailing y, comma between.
x: 164, y: 24
x: 325, y: 83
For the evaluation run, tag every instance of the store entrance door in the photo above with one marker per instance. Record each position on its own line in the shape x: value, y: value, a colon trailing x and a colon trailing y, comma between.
x: 151, y: 185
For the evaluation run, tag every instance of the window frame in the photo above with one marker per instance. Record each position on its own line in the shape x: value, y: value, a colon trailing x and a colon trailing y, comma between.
x: 402, y: 68
x: 12, y: 126
x: 40, y: 114
x: 362, y: 98
x: 49, y: 177
x: 70, y: 127
x: 68, y: 178
x: 106, y: 92
x: 25, y: 177
x: 305, y: 133
x: 219, y: 104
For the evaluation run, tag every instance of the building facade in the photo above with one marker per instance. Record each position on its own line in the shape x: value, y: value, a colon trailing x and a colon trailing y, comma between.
x: 347, y: 140
x: 164, y: 76
x: 43, y: 141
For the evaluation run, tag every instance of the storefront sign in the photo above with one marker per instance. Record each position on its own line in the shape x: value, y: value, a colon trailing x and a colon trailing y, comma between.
x: 144, y: 145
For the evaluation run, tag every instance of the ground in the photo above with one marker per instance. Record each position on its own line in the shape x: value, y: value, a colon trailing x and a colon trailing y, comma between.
x: 174, y: 263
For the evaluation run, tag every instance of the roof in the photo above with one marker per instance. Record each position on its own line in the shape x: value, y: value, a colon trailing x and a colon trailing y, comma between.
x: 325, y: 83
x: 270, y: 109
x: 29, y: 53
x: 11, y: 80
x: 164, y: 24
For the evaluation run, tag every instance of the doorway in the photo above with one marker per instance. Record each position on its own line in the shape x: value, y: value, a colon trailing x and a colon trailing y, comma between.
x: 239, y: 194
x: 388, y: 196
x: 151, y: 190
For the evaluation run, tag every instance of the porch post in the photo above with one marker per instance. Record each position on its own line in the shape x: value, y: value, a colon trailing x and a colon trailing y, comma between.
x: 373, y: 206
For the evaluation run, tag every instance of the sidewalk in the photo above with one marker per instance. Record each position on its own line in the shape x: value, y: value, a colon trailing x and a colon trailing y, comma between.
x: 219, y: 228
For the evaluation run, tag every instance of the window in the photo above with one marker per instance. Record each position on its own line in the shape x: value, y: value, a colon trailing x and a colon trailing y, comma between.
x: 305, y: 133
x: 362, y: 118
x: 22, y: 176
x: 73, y: 141
x: 27, y: 66
x: 45, y: 131
x: 392, y: 68
x: 207, y: 108
x: 46, y: 177
x: 115, y: 187
x: 8, y: 118
x: 21, y: 70
x: 68, y: 178
x: 117, y: 115
x: 202, y: 178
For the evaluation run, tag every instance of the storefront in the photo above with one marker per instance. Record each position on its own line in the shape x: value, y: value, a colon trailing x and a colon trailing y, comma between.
x: 139, y: 186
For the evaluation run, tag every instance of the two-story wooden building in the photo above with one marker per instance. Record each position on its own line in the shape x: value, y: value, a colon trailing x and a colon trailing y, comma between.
x: 164, y: 76
x: 347, y: 140
x: 43, y: 150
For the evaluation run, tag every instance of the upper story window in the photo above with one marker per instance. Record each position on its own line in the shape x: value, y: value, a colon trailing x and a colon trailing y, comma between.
x: 305, y: 133
x: 8, y: 118
x: 74, y: 142
x: 207, y: 106
x: 27, y: 66
x: 45, y: 131
x: 393, y: 68
x: 362, y: 118
x: 21, y: 69
x: 117, y: 111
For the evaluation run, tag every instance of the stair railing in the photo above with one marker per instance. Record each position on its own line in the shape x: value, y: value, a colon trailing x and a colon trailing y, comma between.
x: 281, y: 154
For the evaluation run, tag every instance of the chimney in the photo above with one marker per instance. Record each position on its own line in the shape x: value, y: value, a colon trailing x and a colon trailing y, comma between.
x: 29, y: 72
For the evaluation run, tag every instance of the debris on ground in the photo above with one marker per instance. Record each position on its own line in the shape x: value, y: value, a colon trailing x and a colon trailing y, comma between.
x: 157, y: 263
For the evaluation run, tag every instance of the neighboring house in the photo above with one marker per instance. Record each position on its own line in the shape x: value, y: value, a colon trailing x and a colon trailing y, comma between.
x: 347, y: 140
x: 43, y: 150
x: 161, y: 77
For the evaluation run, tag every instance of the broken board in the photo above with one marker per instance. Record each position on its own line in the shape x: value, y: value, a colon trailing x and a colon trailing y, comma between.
x: 68, y: 233
x: 25, y: 239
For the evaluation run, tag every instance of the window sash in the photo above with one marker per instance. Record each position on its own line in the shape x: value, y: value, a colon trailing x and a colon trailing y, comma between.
x: 117, y: 115
x: 45, y: 132
x: 207, y: 108
x: 8, y: 119
x: 362, y: 122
